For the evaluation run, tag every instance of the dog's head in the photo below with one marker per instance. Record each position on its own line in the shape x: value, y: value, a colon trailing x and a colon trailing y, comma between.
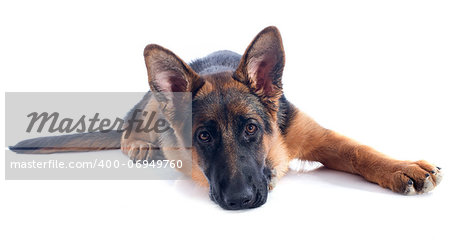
x: 234, y: 117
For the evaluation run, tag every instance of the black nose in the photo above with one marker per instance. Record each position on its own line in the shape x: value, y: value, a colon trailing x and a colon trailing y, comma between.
x: 239, y: 200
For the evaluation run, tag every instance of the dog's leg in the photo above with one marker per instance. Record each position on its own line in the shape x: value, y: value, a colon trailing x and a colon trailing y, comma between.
x: 137, y: 149
x: 277, y: 158
x: 307, y: 140
x: 136, y: 144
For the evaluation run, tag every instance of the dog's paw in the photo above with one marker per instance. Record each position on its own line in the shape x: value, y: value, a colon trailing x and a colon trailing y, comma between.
x: 273, y: 179
x: 416, y: 178
x: 137, y: 150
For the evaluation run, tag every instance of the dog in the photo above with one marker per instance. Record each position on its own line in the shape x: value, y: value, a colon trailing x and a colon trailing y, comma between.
x: 244, y: 131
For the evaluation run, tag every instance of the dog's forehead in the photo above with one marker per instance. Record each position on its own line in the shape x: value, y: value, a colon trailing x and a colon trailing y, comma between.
x: 224, y: 99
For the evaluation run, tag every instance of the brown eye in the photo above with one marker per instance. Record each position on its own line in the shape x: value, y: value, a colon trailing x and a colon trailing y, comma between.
x: 251, y: 129
x: 204, y: 136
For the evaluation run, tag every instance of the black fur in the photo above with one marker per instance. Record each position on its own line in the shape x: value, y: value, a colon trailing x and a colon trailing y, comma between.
x: 76, y: 142
x: 216, y: 62
x: 286, y: 113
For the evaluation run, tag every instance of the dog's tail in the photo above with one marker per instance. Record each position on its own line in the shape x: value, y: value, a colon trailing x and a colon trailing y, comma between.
x: 70, y: 143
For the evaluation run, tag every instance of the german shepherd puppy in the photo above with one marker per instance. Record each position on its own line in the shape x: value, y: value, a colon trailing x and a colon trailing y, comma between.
x: 244, y: 131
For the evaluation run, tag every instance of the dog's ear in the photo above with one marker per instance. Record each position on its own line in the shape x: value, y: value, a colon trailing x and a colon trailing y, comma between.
x: 171, y: 81
x: 167, y: 72
x: 261, y: 66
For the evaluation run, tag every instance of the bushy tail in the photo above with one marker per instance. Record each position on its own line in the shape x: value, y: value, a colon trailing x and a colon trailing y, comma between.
x: 70, y: 143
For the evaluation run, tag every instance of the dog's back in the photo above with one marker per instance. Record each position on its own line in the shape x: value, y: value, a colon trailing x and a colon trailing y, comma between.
x: 219, y: 61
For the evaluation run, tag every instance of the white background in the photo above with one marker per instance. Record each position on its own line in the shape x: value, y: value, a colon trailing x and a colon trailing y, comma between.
x: 376, y: 71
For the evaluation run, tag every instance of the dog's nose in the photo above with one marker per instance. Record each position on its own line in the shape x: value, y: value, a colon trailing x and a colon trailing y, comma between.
x: 239, y: 200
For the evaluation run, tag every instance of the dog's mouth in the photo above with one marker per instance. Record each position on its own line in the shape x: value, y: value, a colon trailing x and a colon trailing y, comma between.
x: 259, y: 197
x: 242, y: 195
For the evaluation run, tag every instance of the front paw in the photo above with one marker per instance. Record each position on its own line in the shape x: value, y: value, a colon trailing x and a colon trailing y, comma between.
x: 137, y: 150
x: 415, y: 178
x: 273, y: 179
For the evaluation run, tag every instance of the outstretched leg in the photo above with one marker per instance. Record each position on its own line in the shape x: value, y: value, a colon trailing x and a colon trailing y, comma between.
x: 307, y: 140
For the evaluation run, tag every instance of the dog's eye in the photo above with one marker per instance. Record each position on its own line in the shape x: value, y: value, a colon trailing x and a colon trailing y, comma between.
x: 251, y: 129
x: 204, y: 136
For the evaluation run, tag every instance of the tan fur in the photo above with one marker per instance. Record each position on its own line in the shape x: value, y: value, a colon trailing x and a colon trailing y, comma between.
x: 278, y: 156
x: 197, y: 173
x: 306, y: 140
x: 258, y: 75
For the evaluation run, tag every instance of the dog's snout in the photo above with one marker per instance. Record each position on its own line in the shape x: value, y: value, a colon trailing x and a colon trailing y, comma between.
x: 245, y: 189
x: 239, y: 200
